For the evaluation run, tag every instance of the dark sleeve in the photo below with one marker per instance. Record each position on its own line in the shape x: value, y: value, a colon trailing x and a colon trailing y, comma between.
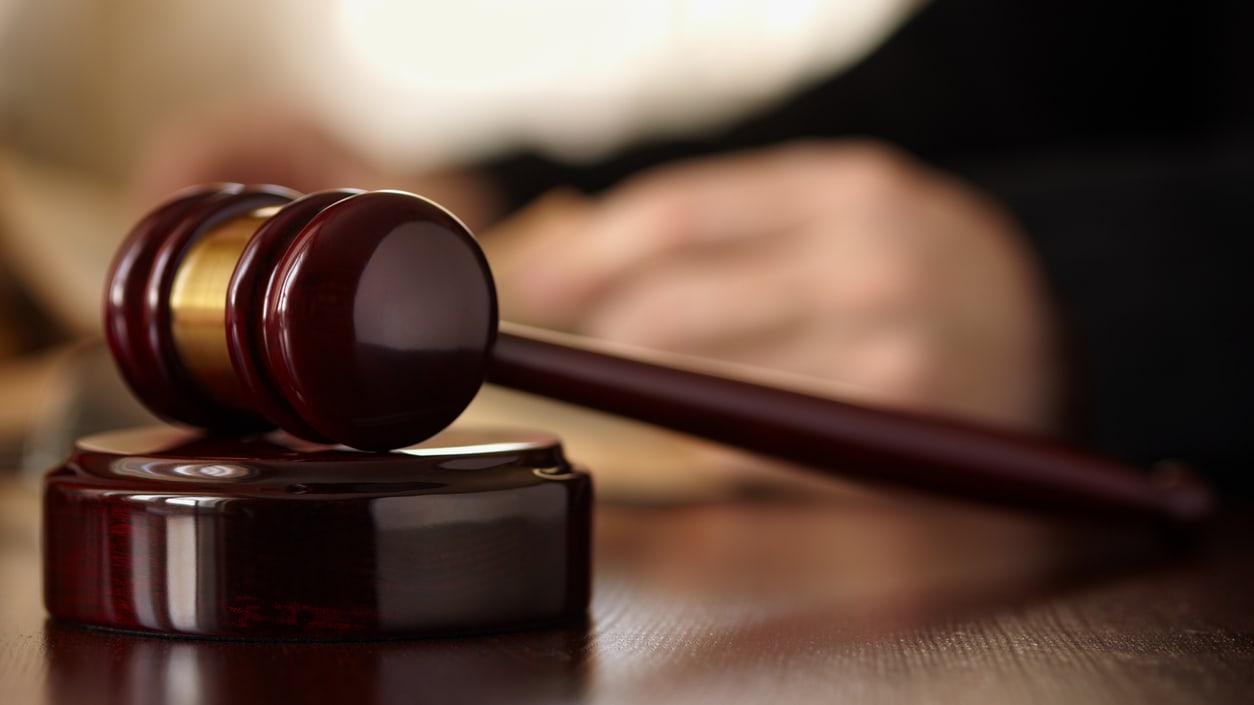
x: 1148, y: 253
x: 968, y: 79
x: 1121, y: 134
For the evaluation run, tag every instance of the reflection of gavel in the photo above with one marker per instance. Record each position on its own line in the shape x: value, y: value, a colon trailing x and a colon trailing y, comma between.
x: 370, y: 319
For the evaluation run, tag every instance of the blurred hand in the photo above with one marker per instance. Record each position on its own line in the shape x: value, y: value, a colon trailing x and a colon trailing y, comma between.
x: 260, y: 146
x: 846, y: 261
x: 278, y: 145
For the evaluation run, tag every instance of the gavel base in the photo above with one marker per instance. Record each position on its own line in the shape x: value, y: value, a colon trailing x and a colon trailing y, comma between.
x: 164, y: 531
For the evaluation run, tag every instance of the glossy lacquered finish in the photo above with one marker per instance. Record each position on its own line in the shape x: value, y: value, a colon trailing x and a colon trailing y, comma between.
x: 362, y: 318
x: 379, y: 320
x: 137, y: 302
x: 274, y: 538
x: 245, y: 305
x: 370, y: 319
x: 940, y: 456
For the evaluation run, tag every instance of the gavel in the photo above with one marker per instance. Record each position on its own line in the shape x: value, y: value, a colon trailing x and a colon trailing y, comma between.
x: 370, y: 319
x: 364, y: 322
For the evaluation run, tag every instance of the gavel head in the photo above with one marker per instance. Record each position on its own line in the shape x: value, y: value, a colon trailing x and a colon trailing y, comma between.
x: 361, y: 318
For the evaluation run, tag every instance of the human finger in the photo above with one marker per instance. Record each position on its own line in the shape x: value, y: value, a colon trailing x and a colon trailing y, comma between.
x: 696, y: 208
x: 700, y: 304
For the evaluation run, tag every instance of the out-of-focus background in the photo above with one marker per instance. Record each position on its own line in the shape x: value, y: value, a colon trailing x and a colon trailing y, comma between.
x: 90, y: 93
x: 86, y: 89
x: 1044, y: 232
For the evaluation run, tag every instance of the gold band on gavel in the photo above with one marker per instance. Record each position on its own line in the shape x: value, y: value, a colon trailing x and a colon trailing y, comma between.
x: 198, y: 305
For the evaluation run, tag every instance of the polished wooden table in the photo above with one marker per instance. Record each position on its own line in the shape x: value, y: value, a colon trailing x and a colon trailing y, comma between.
x: 783, y: 593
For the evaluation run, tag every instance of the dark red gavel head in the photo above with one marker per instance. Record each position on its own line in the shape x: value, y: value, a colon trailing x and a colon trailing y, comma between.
x: 361, y: 318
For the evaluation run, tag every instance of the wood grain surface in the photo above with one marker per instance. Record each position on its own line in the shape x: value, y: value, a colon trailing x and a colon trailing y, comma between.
x: 787, y: 598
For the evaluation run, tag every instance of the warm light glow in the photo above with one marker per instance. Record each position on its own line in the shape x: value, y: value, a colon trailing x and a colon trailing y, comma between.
x: 446, y: 78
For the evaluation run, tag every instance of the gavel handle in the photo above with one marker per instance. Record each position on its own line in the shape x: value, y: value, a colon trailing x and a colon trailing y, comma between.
x: 914, y: 451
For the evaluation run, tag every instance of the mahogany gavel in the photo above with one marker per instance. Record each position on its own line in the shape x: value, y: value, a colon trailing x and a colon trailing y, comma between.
x: 370, y: 319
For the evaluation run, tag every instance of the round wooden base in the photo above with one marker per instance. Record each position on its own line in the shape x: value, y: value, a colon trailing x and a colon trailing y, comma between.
x: 269, y: 537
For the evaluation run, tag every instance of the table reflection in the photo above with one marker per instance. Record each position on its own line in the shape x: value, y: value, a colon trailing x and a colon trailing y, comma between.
x: 93, y: 666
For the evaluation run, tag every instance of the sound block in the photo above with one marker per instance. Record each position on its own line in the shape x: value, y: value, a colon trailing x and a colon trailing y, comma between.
x: 270, y: 537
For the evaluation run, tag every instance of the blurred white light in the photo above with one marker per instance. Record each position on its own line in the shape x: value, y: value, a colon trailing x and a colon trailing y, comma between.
x: 442, y: 79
